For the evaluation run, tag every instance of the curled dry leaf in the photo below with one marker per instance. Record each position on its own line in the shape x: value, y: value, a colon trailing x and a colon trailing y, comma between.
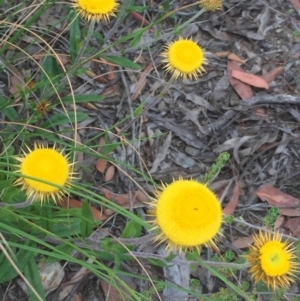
x: 242, y: 89
x: 109, y: 173
x: 231, y: 205
x: 243, y: 242
x: 72, y: 203
x: 275, y: 197
x: 250, y: 79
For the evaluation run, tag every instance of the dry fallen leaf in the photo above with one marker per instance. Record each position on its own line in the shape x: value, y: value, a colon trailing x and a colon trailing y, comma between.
x: 242, y: 89
x: 138, y: 198
x: 222, y: 53
x: 101, y: 165
x: 231, y: 205
x: 102, y: 144
x: 293, y: 224
x: 115, y: 294
x: 279, y: 199
x: 295, y: 4
x: 141, y: 19
x: 279, y: 222
x: 109, y: 173
x: 271, y: 75
x: 275, y: 197
x: 141, y: 82
x: 72, y: 203
x: 232, y: 56
x: 243, y: 242
x: 250, y: 79
x: 16, y: 83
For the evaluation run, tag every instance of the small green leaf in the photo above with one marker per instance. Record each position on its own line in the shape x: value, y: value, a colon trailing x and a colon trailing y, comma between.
x: 132, y: 230
x: 64, y: 248
x: 46, y: 218
x: 32, y: 275
x: 51, y: 71
x: 61, y: 118
x: 75, y: 37
x: 121, y: 61
x: 82, y: 98
x: 7, y: 272
x: 159, y: 263
x: 137, y: 38
x: 11, y: 113
x: 87, y: 220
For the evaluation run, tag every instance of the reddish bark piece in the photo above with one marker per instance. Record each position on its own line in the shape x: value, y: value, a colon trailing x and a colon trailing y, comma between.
x: 275, y: 197
x: 72, y: 203
x: 109, y: 173
x: 101, y: 165
x: 250, y: 79
x: 230, y: 207
x: 293, y: 224
x: 242, y: 89
x: 295, y: 4
x: 271, y: 75
x: 243, y: 242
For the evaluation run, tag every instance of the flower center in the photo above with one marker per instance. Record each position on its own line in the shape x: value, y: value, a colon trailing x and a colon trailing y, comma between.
x: 275, y: 261
x: 97, y: 6
x: 48, y: 165
x: 185, y: 55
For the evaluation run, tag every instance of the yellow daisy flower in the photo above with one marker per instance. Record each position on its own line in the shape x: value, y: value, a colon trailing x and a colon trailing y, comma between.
x: 272, y: 260
x: 184, y: 58
x: 46, y: 164
x: 96, y: 9
x: 211, y: 5
x: 187, y: 215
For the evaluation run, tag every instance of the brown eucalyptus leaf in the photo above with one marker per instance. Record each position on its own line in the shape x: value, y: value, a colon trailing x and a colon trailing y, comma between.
x: 242, y: 89
x: 250, y: 79
x: 109, y: 173
x: 231, y: 205
x: 101, y: 165
x: 271, y: 75
x: 275, y: 197
x: 293, y: 224
x: 243, y: 242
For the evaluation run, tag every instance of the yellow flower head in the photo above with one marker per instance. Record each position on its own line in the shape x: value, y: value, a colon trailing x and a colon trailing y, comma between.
x: 211, y: 5
x: 46, y: 164
x: 96, y: 9
x: 184, y: 58
x: 272, y: 260
x: 187, y: 215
